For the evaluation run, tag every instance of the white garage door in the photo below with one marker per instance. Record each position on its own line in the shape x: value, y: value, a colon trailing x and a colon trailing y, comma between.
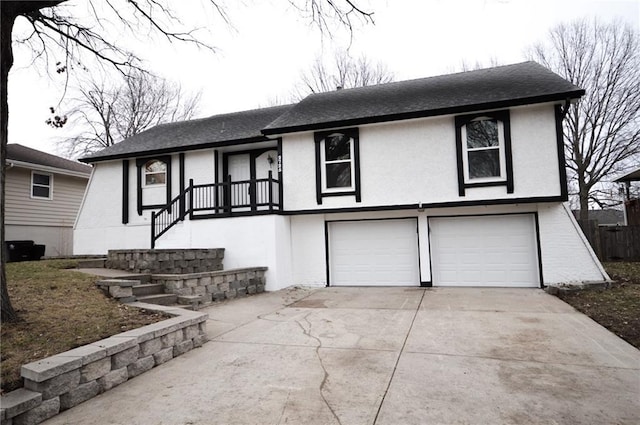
x: 484, y: 251
x: 374, y: 253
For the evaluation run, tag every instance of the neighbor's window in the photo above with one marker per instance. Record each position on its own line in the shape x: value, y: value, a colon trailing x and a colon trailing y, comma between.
x: 41, y: 185
x: 337, y: 157
x: 484, y: 149
x: 155, y: 173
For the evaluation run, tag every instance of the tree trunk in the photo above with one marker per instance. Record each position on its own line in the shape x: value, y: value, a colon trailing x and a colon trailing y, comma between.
x: 583, y: 194
x: 6, y: 26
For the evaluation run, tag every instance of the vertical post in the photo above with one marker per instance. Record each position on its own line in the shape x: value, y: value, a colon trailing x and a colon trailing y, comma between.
x: 227, y: 194
x: 216, y: 201
x: 153, y: 229
x: 270, y: 183
x: 190, y: 199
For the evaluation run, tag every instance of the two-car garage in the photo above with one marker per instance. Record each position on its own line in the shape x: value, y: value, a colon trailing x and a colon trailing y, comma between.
x: 491, y: 250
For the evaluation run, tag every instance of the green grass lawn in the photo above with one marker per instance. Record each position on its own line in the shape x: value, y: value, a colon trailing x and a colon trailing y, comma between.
x: 59, y: 309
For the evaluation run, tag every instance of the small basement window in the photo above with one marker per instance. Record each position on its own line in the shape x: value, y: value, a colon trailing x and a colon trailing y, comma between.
x: 41, y: 185
x: 155, y: 173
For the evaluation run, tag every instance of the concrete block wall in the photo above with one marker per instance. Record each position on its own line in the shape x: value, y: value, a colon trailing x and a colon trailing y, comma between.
x: 60, y: 382
x: 178, y: 261
x: 214, y: 286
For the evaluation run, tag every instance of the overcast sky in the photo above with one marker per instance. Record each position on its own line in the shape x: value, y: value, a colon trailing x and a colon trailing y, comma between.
x: 260, y: 58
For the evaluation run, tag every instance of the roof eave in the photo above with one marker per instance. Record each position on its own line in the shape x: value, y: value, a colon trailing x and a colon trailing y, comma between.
x: 426, y: 113
x: 47, y: 168
x: 138, y: 154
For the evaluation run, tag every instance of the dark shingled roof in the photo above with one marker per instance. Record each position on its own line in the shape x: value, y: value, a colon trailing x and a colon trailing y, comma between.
x: 633, y: 176
x: 21, y: 153
x: 498, y: 87
x: 194, y: 134
x: 491, y: 88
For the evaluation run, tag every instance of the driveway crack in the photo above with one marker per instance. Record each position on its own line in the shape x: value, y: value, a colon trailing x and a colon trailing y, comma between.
x: 395, y: 367
x: 307, y: 332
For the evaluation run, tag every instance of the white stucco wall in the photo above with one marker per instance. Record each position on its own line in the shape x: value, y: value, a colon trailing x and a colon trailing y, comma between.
x: 566, y: 255
x: 248, y: 242
x: 414, y: 161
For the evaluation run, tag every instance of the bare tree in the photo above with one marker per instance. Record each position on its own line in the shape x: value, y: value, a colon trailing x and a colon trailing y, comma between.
x: 602, y: 130
x: 108, y: 114
x: 56, y: 30
x: 344, y: 72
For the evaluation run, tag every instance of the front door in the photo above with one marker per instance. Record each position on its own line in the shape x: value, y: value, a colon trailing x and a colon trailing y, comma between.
x: 239, y: 173
x: 247, y: 173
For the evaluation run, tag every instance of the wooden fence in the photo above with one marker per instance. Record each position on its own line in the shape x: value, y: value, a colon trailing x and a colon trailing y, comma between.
x: 613, y: 243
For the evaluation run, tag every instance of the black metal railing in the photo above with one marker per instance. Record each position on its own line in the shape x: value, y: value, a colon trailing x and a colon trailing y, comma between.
x: 167, y: 217
x: 229, y: 198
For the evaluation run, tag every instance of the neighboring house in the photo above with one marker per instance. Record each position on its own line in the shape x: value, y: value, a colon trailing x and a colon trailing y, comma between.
x: 608, y: 217
x: 42, y: 196
x: 446, y: 181
x: 632, y: 203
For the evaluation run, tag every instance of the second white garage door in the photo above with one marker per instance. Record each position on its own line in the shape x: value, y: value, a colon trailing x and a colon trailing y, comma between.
x: 496, y: 250
x: 374, y: 253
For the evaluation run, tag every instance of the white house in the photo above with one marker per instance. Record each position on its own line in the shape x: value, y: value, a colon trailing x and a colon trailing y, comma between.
x: 42, y: 198
x: 444, y: 181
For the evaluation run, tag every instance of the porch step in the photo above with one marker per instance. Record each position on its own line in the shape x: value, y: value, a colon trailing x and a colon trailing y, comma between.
x: 92, y: 263
x: 148, y: 289
x: 160, y: 299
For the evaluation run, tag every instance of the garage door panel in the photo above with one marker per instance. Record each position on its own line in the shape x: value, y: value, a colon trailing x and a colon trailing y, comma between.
x: 484, y: 251
x: 373, y: 252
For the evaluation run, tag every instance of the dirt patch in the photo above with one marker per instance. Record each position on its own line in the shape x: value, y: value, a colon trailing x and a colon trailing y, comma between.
x: 616, y: 308
x: 59, y: 310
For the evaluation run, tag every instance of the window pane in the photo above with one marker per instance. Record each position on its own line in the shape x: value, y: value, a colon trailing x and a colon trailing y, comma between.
x: 154, y: 178
x: 42, y: 179
x: 481, y: 134
x: 337, y: 146
x: 40, y: 191
x: 339, y: 175
x: 155, y: 166
x: 484, y: 163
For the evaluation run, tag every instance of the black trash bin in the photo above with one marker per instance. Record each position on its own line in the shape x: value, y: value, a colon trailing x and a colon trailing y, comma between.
x: 37, y: 252
x: 23, y: 251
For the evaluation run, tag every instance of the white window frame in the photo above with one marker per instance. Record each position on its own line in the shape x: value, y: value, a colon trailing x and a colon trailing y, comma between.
x: 501, y: 153
x: 49, y: 186
x: 145, y: 173
x: 324, y: 163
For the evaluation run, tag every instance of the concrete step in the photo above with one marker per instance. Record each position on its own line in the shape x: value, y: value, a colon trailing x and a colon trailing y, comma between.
x: 148, y: 289
x: 143, y: 278
x: 160, y: 299
x: 92, y: 263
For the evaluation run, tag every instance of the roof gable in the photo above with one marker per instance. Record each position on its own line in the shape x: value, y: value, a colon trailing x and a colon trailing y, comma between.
x: 489, y: 88
x: 17, y: 152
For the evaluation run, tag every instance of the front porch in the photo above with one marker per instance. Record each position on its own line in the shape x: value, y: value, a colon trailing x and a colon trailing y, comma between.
x: 216, y: 200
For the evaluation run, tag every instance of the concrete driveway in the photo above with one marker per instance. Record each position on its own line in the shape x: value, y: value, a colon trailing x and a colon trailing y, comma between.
x: 387, y: 356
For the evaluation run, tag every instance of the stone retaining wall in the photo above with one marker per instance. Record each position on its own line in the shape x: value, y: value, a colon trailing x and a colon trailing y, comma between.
x: 60, y: 382
x: 179, y: 261
x: 214, y: 286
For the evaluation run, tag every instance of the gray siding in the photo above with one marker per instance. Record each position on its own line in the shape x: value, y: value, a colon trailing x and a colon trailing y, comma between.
x: 60, y: 211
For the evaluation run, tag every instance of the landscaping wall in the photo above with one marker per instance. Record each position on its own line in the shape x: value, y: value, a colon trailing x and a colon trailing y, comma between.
x: 214, y: 286
x: 178, y: 261
x: 60, y: 382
